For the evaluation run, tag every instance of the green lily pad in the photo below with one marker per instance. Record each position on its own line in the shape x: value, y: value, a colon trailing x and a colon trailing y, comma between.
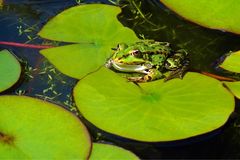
x: 10, y: 70
x: 96, y: 30
x: 110, y: 152
x: 232, y: 62
x: 215, y: 14
x: 35, y: 129
x: 234, y: 88
x: 154, y: 111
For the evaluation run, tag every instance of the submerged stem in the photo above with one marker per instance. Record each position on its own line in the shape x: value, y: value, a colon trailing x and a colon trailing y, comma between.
x: 142, y: 15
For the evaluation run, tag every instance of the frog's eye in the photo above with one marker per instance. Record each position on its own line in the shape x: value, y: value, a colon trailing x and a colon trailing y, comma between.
x: 135, y: 52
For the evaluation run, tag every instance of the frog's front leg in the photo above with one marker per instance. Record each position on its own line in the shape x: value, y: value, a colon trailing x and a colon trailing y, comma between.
x: 179, y: 73
x: 136, y: 79
x: 150, y: 75
x: 153, y: 74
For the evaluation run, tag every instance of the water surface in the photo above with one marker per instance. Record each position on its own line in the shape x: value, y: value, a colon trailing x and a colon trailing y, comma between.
x: 21, y: 21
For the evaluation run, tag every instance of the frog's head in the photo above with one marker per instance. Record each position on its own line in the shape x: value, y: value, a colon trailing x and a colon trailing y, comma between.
x: 176, y: 61
x: 128, y: 54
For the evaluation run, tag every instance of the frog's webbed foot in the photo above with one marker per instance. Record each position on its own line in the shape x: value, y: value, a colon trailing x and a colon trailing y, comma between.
x: 179, y: 73
x: 136, y: 79
x: 145, y: 78
x: 150, y: 75
x: 142, y: 79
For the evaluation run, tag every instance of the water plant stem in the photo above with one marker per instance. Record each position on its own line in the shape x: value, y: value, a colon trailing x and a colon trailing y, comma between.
x: 221, y: 78
x: 34, y: 46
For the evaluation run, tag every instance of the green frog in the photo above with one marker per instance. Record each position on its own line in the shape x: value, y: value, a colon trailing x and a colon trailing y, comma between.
x: 152, y: 60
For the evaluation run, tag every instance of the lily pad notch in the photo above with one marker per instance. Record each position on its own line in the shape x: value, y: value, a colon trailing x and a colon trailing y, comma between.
x: 94, y: 29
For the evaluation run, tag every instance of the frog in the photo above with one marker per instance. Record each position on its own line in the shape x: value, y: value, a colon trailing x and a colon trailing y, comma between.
x: 152, y: 60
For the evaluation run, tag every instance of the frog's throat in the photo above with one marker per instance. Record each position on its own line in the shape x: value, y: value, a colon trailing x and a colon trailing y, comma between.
x: 129, y: 68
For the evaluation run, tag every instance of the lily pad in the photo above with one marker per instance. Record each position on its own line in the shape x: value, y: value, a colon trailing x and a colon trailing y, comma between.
x: 110, y: 152
x: 96, y: 30
x: 35, y: 129
x: 153, y: 111
x: 215, y: 14
x: 10, y: 70
x: 234, y: 87
x: 232, y: 62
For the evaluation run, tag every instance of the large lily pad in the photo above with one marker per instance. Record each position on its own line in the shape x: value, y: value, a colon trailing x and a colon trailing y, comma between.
x: 110, y: 152
x: 234, y: 87
x: 216, y: 14
x: 95, y: 28
x: 10, y: 70
x: 34, y: 129
x: 232, y: 62
x: 154, y: 111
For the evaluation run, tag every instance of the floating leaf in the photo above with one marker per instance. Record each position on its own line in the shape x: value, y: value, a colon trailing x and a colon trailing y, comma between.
x: 153, y: 111
x: 232, y: 62
x: 96, y: 30
x: 234, y: 87
x: 10, y: 70
x: 216, y: 14
x: 35, y: 129
x: 110, y: 152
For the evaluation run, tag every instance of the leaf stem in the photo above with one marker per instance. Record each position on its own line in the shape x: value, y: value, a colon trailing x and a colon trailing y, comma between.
x: 34, y: 46
x: 221, y: 78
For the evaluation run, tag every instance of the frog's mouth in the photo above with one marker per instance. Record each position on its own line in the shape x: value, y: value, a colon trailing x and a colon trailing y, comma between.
x: 129, y: 68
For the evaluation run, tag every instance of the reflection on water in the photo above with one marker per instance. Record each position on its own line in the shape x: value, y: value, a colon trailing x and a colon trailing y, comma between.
x: 20, y: 22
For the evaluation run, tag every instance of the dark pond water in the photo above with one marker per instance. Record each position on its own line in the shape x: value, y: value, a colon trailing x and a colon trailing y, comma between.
x: 21, y: 20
